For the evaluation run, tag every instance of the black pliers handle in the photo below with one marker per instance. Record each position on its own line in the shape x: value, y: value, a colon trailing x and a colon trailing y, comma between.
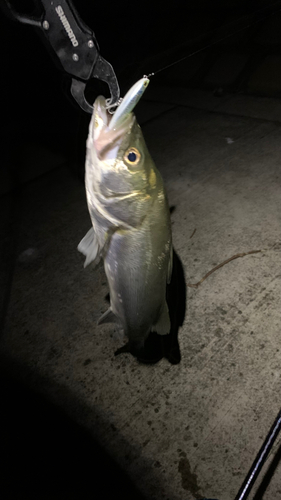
x: 73, y: 45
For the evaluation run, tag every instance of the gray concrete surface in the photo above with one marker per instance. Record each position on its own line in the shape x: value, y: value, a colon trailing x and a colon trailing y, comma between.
x: 191, y: 430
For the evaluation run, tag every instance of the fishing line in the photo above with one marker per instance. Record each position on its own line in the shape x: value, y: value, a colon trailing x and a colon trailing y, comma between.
x: 220, y: 40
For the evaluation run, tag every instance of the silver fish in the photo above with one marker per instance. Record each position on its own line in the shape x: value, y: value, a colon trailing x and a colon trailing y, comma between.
x: 131, y: 225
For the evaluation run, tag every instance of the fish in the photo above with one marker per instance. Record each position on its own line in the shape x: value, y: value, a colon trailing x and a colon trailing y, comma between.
x: 157, y: 346
x: 131, y: 226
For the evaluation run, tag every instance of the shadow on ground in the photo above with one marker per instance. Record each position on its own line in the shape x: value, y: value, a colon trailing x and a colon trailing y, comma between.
x: 47, y: 455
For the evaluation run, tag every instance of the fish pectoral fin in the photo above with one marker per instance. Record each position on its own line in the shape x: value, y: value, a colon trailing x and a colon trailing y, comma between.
x: 163, y: 324
x: 89, y: 247
x: 107, y: 317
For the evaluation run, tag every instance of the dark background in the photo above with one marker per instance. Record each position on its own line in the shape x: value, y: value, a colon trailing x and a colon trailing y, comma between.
x: 136, y: 38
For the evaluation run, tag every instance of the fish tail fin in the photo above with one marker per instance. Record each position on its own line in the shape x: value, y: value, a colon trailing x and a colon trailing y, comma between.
x: 134, y: 347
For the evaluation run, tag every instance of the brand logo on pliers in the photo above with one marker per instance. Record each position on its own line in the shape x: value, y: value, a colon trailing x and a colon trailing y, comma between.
x: 66, y: 25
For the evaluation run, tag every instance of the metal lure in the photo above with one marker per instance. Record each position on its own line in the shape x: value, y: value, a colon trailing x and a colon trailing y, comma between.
x: 129, y: 102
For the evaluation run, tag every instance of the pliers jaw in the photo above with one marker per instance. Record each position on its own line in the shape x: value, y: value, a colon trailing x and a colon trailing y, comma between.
x: 102, y: 71
x: 72, y: 44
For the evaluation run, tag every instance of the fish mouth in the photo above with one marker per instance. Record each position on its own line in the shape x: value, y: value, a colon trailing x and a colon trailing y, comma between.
x: 107, y: 142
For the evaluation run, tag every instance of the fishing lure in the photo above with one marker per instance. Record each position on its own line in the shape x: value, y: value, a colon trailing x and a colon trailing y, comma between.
x: 129, y: 102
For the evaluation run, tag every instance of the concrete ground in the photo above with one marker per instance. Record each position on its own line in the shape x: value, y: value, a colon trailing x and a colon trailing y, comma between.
x: 180, y: 432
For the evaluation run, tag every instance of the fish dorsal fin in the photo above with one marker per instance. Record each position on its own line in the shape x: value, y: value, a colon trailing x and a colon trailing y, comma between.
x: 89, y: 247
x: 107, y: 317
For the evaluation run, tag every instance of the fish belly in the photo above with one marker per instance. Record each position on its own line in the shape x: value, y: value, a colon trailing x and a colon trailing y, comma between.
x: 136, y: 266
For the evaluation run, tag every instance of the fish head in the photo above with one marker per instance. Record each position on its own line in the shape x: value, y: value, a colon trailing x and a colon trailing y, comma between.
x: 119, y: 157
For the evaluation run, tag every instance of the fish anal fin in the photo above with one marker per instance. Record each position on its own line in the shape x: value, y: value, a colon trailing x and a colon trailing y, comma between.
x: 170, y: 265
x: 163, y: 325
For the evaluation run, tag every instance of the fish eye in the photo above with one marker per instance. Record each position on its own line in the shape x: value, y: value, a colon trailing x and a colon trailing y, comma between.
x: 132, y: 156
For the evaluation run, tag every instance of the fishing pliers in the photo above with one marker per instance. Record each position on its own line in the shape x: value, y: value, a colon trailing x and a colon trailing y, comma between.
x: 72, y: 44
